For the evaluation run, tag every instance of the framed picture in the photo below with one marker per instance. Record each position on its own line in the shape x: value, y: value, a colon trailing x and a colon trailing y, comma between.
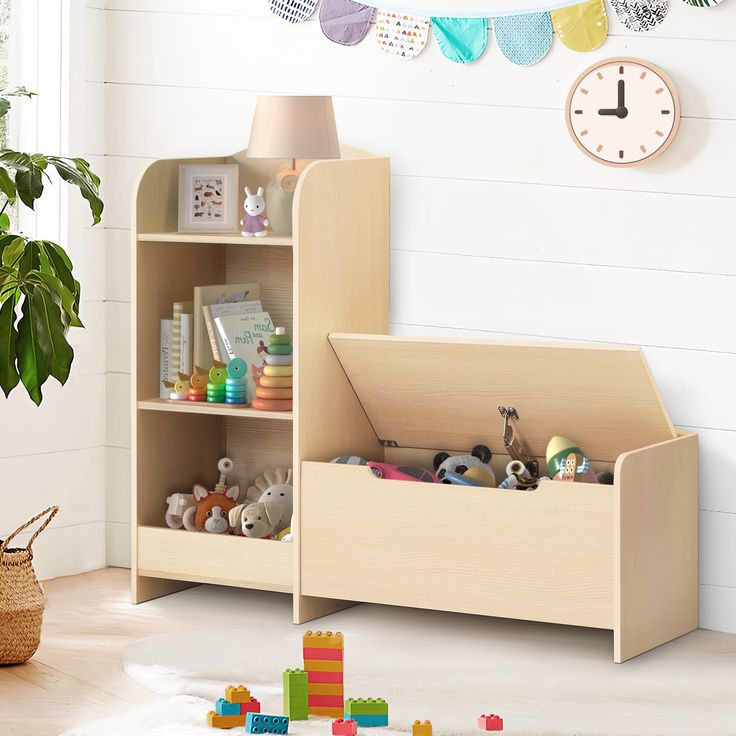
x: 208, y: 198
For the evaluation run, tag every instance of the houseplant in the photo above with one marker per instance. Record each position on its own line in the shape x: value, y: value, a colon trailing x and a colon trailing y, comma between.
x: 39, y: 296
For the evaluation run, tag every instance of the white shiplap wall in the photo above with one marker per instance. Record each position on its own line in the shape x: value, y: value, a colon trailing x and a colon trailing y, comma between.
x: 500, y: 228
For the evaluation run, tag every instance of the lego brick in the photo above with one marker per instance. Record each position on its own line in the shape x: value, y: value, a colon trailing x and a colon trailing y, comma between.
x: 327, y: 712
x: 366, y: 706
x: 342, y: 727
x: 252, y: 706
x: 223, y: 708
x: 322, y: 665
x: 327, y: 701
x: 325, y: 678
x: 421, y: 729
x: 323, y: 640
x: 258, y: 723
x: 295, y: 682
x: 370, y: 721
x: 491, y: 722
x: 319, y: 688
x: 237, y: 694
x: 217, y: 721
x: 320, y: 653
x: 296, y: 711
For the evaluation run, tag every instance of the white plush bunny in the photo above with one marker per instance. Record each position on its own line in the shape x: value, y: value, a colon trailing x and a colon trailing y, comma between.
x: 254, y: 221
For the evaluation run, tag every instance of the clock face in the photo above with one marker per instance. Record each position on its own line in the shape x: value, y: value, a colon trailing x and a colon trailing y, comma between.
x: 623, y: 112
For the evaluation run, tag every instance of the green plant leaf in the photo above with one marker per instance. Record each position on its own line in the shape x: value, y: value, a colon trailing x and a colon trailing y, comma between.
x: 4, y: 221
x: 51, y: 332
x: 16, y: 160
x: 30, y: 346
x: 62, y: 269
x: 8, y: 337
x: 29, y: 185
x: 78, y: 172
x: 7, y: 185
x: 61, y: 295
x: 13, y: 251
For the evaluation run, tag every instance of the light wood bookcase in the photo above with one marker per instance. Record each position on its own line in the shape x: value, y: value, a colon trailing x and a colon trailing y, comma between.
x: 332, y: 274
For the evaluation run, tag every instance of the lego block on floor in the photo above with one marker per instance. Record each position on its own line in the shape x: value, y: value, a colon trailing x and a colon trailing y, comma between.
x: 490, y: 723
x: 366, y: 706
x: 369, y: 721
x: 325, y: 688
x: 420, y: 728
x: 327, y: 701
x: 295, y: 682
x: 223, y: 708
x: 326, y: 712
x: 342, y: 727
x: 297, y: 712
x: 325, y: 678
x: 216, y: 721
x: 321, y: 653
x: 259, y: 723
x: 323, y: 640
x: 237, y: 694
x: 252, y: 706
x: 323, y: 665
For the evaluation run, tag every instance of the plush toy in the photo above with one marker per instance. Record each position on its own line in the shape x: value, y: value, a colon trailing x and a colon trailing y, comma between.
x: 256, y: 520
x: 210, y: 514
x: 254, y: 221
x: 178, y: 504
x: 475, y: 466
x: 275, y: 486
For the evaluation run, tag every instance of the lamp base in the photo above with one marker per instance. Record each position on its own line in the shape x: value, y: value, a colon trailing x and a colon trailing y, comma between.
x: 280, y: 200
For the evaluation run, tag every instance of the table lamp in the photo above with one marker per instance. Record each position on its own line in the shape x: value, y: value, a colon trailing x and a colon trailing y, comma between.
x: 292, y: 127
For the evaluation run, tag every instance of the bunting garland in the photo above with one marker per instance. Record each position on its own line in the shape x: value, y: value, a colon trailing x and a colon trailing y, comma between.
x: 524, y: 38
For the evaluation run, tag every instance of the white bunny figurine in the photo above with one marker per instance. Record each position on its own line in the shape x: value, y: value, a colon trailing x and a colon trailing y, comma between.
x: 254, y: 221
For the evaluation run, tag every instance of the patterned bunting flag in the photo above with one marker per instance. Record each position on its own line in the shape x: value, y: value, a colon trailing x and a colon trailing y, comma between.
x: 640, y: 15
x: 703, y: 3
x: 524, y: 39
x: 401, y: 35
x: 295, y: 11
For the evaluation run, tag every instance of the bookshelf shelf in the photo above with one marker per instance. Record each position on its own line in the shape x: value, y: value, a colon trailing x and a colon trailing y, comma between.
x: 214, y: 239
x: 218, y: 410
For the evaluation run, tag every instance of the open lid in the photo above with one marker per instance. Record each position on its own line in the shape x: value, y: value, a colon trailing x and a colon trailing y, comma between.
x: 444, y: 394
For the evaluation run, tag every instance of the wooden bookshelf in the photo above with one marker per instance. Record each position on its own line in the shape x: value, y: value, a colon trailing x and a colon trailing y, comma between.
x: 332, y: 275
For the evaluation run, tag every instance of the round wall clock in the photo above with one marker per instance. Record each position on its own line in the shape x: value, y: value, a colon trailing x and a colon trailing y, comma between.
x: 623, y: 112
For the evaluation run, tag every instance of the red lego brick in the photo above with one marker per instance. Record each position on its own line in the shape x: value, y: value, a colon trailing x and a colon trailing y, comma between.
x: 490, y: 723
x: 321, y: 653
x: 326, y: 701
x: 253, y: 706
x: 332, y: 678
x: 341, y: 727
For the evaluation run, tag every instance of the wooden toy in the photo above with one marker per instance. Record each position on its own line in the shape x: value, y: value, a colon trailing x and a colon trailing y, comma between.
x: 218, y: 372
x: 275, y: 486
x: 323, y: 661
x: 216, y: 385
x: 254, y: 221
x: 279, y: 349
x: 490, y: 723
x: 344, y: 727
x: 198, y: 384
x: 296, y: 694
x: 274, y: 381
x: 567, y: 462
x: 259, y: 723
x: 256, y: 520
x: 478, y: 461
x: 421, y: 729
x: 235, y: 383
x: 217, y: 721
x: 178, y: 505
x: 402, y: 472
x: 274, y: 393
x: 279, y: 359
x: 272, y: 404
x: 278, y: 370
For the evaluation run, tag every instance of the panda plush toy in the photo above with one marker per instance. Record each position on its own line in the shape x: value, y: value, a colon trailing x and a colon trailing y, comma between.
x: 472, y: 470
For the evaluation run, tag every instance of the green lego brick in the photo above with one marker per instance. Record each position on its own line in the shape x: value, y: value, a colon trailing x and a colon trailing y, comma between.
x: 297, y: 713
x: 295, y: 683
x: 366, y: 706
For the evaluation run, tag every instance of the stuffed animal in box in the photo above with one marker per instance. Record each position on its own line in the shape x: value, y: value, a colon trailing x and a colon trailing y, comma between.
x: 257, y: 520
x: 275, y: 486
x: 178, y: 503
x: 472, y: 469
x: 210, y: 514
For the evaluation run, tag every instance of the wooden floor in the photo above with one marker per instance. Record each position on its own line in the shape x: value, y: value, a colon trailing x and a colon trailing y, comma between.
x: 75, y: 676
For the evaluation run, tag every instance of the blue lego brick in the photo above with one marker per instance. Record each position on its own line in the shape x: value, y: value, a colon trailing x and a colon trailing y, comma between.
x: 369, y: 721
x: 259, y: 723
x: 223, y: 708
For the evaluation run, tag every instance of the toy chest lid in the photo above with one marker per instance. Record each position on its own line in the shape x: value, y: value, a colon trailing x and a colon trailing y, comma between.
x: 444, y: 394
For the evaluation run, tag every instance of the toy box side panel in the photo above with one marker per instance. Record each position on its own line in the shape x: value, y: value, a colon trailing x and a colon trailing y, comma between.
x: 656, y: 546
x: 545, y: 555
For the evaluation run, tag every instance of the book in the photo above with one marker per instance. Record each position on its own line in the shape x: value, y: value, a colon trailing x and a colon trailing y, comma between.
x: 165, y: 365
x: 216, y: 294
x: 185, y: 360
x: 220, y: 310
x: 246, y: 336
x: 179, y: 309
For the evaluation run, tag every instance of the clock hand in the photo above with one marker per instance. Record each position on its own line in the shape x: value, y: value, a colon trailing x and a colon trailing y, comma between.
x: 608, y: 111
x: 621, y: 94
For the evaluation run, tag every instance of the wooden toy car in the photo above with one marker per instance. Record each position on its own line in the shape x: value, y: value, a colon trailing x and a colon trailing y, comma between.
x: 402, y: 472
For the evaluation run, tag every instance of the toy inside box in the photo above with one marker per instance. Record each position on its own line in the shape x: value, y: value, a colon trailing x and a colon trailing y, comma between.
x: 622, y: 557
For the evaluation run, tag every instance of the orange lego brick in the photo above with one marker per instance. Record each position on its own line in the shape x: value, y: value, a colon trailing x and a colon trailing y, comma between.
x: 329, y: 712
x: 216, y: 721
x: 237, y: 694
x: 323, y: 640
x: 323, y: 688
x: 421, y: 729
x: 323, y: 665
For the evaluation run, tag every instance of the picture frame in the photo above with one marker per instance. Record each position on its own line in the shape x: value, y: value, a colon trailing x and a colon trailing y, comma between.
x: 208, y: 198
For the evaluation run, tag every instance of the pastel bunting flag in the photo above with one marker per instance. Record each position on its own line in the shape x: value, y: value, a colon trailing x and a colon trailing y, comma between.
x: 344, y: 21
x: 524, y: 39
x: 581, y: 27
x: 295, y: 11
x: 461, y: 40
x: 640, y: 15
x: 401, y: 35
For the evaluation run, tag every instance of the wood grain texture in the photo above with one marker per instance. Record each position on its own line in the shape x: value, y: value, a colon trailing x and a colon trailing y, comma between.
x: 656, y: 546
x: 543, y: 556
x: 403, y: 383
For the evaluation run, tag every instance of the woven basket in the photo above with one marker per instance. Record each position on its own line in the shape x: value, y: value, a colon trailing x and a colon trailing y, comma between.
x: 21, y: 596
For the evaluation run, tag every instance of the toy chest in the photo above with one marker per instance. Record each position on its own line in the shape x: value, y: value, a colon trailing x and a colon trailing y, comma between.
x: 621, y: 557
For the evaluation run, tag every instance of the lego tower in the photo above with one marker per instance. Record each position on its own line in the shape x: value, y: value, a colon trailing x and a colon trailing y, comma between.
x: 323, y: 663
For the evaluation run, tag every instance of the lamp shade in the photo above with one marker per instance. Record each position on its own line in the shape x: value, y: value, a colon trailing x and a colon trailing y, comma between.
x: 294, y: 127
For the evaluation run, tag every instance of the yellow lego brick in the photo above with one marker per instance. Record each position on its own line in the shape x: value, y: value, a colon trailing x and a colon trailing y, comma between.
x: 421, y: 729
x: 328, y: 712
x: 324, y: 688
x: 237, y: 694
x: 323, y: 640
x: 323, y: 665
x: 216, y: 721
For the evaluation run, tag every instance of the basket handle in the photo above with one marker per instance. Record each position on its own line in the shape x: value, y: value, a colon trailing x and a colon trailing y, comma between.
x: 51, y: 511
